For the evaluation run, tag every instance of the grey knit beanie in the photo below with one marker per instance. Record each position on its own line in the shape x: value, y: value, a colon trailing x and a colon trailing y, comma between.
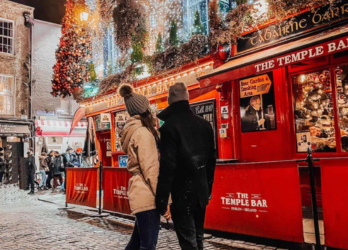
x: 178, y: 92
x: 135, y: 104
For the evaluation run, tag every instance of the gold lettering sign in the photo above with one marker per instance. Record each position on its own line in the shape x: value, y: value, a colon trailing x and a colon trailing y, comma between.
x: 288, y: 29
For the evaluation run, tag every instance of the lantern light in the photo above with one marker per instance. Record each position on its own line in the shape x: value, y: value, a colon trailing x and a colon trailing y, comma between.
x: 83, y: 16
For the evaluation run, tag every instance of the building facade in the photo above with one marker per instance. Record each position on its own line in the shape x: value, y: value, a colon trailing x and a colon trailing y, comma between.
x: 16, y: 127
x: 53, y: 116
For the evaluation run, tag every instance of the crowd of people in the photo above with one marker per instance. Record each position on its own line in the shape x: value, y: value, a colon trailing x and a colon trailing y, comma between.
x: 52, y: 167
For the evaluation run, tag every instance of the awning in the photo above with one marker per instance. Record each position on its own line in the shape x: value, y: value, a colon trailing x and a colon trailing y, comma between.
x: 14, y: 130
x: 60, y: 128
x: 250, y: 64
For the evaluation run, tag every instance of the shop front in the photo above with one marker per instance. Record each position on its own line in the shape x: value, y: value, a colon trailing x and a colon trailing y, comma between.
x: 14, y: 142
x: 285, y: 99
x: 55, y: 135
x: 275, y: 98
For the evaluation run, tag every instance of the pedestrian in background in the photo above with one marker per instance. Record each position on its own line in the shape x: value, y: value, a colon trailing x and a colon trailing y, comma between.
x: 139, y: 140
x: 67, y: 163
x: 2, y: 165
x: 187, y: 167
x: 43, y: 160
x: 31, y: 169
x: 57, y: 175
x: 50, y: 169
x: 76, y: 158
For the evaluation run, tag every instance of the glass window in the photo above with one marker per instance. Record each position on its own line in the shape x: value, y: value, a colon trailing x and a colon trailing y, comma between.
x: 314, y: 116
x: 342, y: 103
x: 6, y: 94
x: 6, y: 36
x: 120, y: 121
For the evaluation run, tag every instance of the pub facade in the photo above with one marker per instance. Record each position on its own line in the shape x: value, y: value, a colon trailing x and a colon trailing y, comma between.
x: 277, y: 92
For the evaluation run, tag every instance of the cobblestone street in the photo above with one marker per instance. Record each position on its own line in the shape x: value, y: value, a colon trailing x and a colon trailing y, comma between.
x: 27, y: 223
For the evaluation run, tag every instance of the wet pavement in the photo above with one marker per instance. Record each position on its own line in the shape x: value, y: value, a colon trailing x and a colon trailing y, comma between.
x: 27, y: 223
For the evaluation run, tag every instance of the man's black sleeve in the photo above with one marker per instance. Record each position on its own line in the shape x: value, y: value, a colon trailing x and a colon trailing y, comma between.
x: 168, y: 154
x: 211, y: 161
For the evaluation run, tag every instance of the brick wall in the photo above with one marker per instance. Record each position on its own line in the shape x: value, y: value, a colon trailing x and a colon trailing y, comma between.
x: 15, y: 64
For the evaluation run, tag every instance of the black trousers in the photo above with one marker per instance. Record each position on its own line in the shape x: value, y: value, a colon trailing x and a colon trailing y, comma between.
x: 49, y: 179
x: 31, y: 181
x: 189, y: 227
x: 145, y: 232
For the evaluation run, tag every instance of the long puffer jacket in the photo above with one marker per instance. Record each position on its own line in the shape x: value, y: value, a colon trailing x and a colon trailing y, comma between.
x: 143, y: 163
x: 57, y: 165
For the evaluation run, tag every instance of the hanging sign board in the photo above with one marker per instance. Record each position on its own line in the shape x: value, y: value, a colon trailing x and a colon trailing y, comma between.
x: 258, y: 85
x: 292, y: 27
x: 8, y: 129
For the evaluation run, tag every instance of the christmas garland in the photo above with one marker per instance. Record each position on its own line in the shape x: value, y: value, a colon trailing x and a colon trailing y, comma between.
x: 245, y: 17
x: 173, y: 57
x: 129, y: 24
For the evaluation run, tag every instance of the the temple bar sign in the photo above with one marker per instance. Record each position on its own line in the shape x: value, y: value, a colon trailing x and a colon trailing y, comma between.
x: 287, y: 29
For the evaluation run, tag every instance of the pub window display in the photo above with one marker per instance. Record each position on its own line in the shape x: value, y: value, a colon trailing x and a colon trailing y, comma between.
x: 341, y: 73
x: 314, y: 115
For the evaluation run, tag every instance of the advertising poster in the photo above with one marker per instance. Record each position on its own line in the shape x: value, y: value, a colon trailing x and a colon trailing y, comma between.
x: 257, y: 103
x: 122, y: 161
x: 304, y: 140
x: 103, y: 121
x: 120, y: 122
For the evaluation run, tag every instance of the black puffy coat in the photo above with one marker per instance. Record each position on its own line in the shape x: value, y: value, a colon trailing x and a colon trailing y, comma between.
x: 31, y: 166
x: 57, y: 164
x: 187, y: 159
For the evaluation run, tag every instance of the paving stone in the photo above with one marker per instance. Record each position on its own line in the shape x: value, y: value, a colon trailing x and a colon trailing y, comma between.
x: 29, y: 224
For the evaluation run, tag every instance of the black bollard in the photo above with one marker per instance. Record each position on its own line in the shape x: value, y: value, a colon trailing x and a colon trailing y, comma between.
x: 314, y: 199
x: 100, y: 185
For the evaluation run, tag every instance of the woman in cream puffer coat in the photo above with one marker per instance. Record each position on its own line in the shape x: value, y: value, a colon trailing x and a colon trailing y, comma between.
x: 139, y: 140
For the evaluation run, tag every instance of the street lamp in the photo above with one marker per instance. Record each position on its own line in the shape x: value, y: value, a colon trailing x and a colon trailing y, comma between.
x: 83, y: 16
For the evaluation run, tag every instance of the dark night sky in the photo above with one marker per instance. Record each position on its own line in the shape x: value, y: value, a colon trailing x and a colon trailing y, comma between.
x: 46, y: 10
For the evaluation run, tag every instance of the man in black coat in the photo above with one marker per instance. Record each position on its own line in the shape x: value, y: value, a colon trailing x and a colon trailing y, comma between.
x: 187, y: 167
x: 31, y: 168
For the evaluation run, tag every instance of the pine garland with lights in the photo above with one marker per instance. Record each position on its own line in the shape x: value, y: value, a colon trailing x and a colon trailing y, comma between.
x: 71, y: 70
x: 129, y: 23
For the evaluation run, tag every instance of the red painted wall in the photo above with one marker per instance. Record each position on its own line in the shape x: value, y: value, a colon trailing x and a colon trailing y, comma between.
x: 334, y: 176
x: 266, y: 145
